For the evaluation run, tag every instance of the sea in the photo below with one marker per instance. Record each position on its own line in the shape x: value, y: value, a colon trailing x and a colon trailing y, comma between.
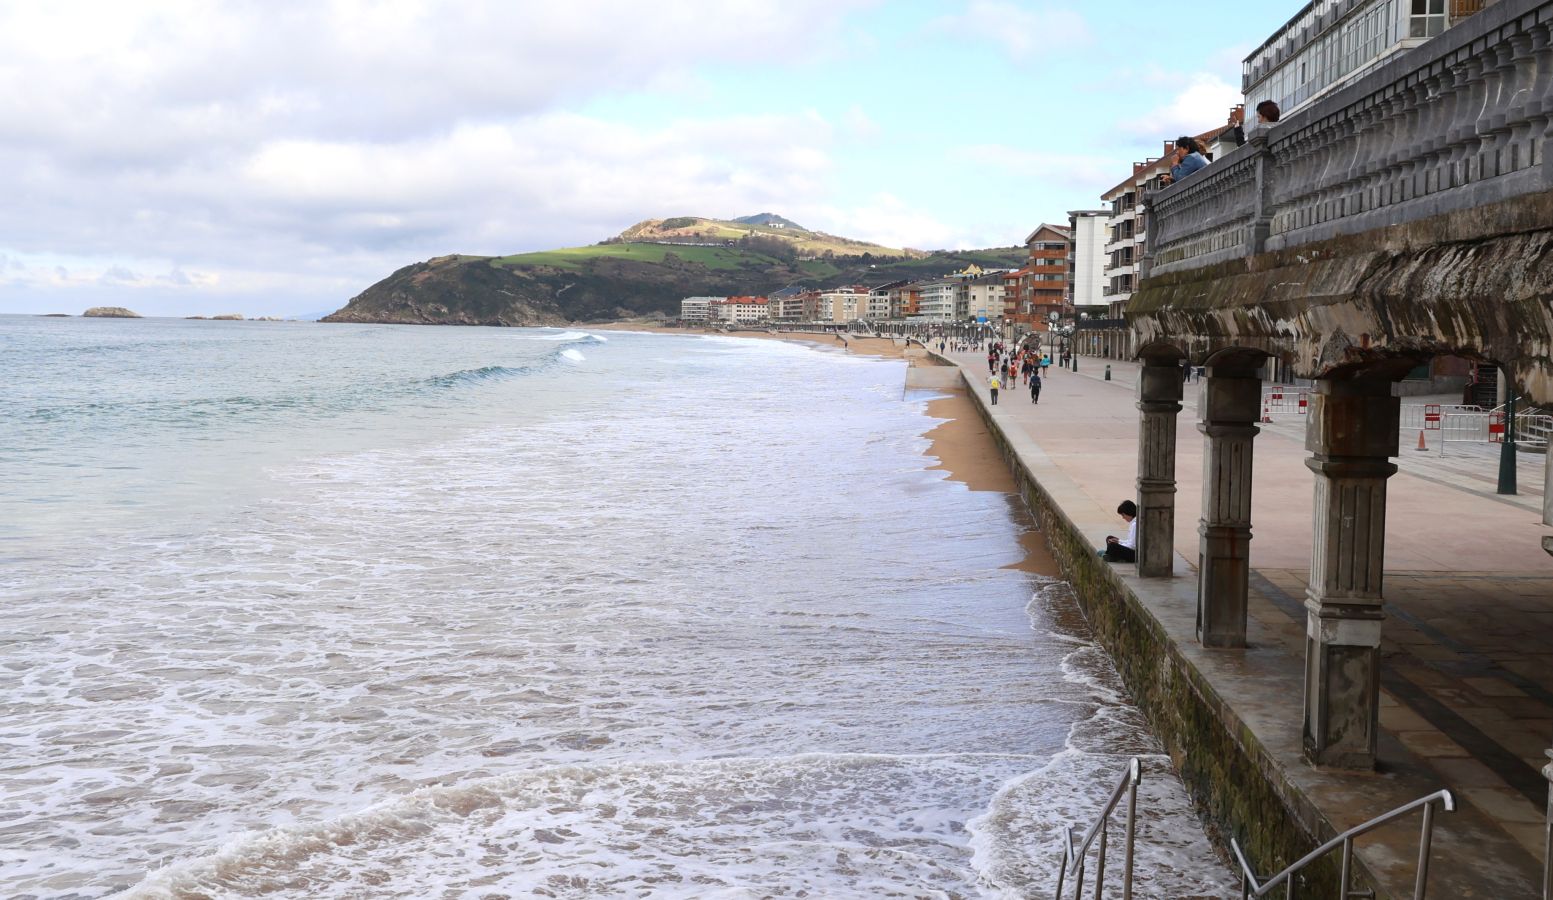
x: 343, y: 611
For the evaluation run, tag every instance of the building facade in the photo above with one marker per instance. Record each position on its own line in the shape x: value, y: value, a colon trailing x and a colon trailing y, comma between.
x: 1087, y: 262
x: 937, y: 299
x: 1331, y: 42
x: 696, y: 309
x: 1043, y: 289
x: 740, y: 310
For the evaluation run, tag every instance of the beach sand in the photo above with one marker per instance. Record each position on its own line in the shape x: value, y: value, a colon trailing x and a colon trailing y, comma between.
x: 961, y: 443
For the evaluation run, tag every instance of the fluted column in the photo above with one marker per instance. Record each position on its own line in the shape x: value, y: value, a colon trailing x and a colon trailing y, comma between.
x: 1230, y: 403
x: 1159, y: 401
x: 1351, y: 433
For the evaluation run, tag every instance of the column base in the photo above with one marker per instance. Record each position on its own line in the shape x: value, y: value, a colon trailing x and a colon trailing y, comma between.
x: 1342, y: 685
x: 1223, y: 581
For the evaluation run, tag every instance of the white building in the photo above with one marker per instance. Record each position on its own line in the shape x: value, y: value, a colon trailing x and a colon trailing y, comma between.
x: 696, y: 309
x: 938, y: 300
x: 1331, y: 42
x: 1087, y: 261
x: 740, y: 310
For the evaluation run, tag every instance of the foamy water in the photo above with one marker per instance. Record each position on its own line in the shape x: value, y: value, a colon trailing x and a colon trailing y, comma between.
x: 655, y: 617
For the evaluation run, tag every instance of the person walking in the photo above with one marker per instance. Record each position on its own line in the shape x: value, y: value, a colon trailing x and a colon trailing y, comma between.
x: 993, y: 383
x: 1035, y: 387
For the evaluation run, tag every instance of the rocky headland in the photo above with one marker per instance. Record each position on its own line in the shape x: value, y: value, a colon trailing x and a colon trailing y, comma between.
x: 645, y: 272
x: 111, y: 312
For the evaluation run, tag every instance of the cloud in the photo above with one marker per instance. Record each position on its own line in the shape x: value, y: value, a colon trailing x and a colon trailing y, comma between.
x: 1022, y: 31
x: 1202, y: 103
x: 1091, y: 172
x: 245, y: 146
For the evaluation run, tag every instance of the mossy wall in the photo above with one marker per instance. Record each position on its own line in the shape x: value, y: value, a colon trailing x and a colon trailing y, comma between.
x: 1236, y: 789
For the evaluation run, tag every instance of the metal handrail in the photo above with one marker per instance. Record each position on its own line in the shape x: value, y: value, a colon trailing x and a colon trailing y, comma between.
x: 1073, y: 856
x: 1250, y: 887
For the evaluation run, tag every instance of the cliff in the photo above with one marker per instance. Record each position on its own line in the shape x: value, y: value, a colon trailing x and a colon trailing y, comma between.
x: 454, y: 290
x: 625, y: 278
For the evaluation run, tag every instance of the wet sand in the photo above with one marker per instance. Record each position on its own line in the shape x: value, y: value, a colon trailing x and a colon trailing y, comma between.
x: 961, y: 443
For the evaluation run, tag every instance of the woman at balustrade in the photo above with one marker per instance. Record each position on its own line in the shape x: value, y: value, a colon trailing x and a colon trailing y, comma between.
x: 1188, y: 158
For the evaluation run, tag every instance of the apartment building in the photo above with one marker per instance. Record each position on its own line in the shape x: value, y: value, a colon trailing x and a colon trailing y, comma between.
x: 740, y: 310
x: 1090, y: 230
x: 846, y: 304
x: 937, y: 299
x: 785, y: 305
x: 884, y: 301
x: 1043, y: 283
x: 984, y: 296
x: 696, y: 309
x: 1329, y: 43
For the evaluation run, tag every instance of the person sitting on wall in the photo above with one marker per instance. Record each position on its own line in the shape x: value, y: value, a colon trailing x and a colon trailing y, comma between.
x: 1123, y: 549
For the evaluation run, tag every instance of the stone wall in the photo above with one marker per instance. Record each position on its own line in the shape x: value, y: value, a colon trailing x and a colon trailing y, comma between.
x: 1475, y: 283
x: 1229, y: 775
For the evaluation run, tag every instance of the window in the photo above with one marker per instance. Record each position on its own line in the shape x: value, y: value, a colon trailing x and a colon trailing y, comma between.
x: 1428, y: 18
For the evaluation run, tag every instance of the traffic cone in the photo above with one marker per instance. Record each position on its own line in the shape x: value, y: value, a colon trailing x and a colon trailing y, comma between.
x: 1421, y: 445
x: 1267, y: 416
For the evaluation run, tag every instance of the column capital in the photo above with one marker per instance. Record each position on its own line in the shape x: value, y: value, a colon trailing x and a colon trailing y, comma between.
x: 1232, y: 430
x: 1351, y: 466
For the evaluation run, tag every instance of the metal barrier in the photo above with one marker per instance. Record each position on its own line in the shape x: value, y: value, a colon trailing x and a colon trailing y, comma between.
x: 1073, y: 856
x: 1430, y: 416
x: 1284, y: 402
x: 1250, y: 887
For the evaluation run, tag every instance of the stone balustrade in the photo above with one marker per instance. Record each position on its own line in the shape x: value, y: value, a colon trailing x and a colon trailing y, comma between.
x: 1457, y: 123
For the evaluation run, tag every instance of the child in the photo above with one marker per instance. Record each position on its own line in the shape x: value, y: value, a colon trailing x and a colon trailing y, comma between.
x: 1124, y: 549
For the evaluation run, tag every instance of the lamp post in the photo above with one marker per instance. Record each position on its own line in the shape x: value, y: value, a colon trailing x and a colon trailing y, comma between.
x: 1507, y: 449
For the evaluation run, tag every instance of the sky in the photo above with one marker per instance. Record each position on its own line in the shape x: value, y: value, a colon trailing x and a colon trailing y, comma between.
x: 196, y: 157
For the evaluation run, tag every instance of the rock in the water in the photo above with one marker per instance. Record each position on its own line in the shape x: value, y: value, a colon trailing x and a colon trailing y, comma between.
x: 228, y: 317
x: 111, y: 312
x: 54, y: 316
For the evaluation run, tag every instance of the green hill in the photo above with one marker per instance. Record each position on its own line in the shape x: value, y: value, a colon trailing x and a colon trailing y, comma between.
x: 631, y: 278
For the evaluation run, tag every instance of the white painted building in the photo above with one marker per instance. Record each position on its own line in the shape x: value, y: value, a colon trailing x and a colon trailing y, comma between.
x: 1329, y: 43
x: 740, y: 310
x: 696, y: 309
x: 1091, y: 230
x: 938, y: 300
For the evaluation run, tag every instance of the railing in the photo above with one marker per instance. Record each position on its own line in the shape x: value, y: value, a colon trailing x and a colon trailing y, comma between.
x: 1073, y: 856
x: 1458, y: 122
x: 1251, y: 887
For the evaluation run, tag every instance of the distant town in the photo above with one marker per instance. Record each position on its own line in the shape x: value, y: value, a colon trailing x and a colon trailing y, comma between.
x: 1078, y: 276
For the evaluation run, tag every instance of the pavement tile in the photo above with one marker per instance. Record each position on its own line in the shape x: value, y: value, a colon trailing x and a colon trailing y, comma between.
x: 1505, y: 805
x: 1430, y: 744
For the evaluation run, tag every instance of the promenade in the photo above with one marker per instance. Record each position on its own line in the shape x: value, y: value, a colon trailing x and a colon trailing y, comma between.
x: 1467, y: 675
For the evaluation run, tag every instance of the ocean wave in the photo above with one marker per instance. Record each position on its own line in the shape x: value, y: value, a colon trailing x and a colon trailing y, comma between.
x: 573, y: 336
x: 827, y: 824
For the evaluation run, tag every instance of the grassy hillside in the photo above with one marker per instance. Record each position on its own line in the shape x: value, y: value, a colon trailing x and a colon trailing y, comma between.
x: 578, y: 257
x: 628, y: 277
x: 803, y: 241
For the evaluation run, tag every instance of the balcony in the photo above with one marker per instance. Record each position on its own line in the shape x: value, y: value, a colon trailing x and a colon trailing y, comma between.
x: 1456, y: 123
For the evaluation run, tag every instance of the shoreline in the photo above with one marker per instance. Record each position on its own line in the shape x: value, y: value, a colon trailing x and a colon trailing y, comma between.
x: 961, y: 442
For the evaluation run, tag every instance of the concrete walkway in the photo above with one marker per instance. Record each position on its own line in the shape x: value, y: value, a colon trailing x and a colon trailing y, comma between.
x: 1467, y: 677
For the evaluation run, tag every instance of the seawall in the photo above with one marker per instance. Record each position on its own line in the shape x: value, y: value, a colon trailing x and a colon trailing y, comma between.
x: 1237, y: 784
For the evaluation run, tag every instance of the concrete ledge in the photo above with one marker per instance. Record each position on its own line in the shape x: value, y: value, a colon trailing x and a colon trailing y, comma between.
x: 1231, y: 719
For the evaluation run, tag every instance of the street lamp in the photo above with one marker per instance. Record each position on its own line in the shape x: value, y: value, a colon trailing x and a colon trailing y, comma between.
x: 1507, y: 449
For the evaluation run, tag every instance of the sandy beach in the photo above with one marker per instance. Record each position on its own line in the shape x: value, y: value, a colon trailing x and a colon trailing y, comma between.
x: 961, y: 442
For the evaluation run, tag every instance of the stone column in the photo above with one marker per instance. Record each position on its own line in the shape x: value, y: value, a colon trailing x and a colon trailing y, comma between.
x: 1547, y: 848
x: 1230, y: 404
x: 1352, y: 431
x: 1159, y: 400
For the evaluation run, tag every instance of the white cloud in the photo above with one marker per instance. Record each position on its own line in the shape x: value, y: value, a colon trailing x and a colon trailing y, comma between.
x: 319, y: 146
x: 1202, y: 101
x: 1022, y: 31
x: 1092, y: 172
